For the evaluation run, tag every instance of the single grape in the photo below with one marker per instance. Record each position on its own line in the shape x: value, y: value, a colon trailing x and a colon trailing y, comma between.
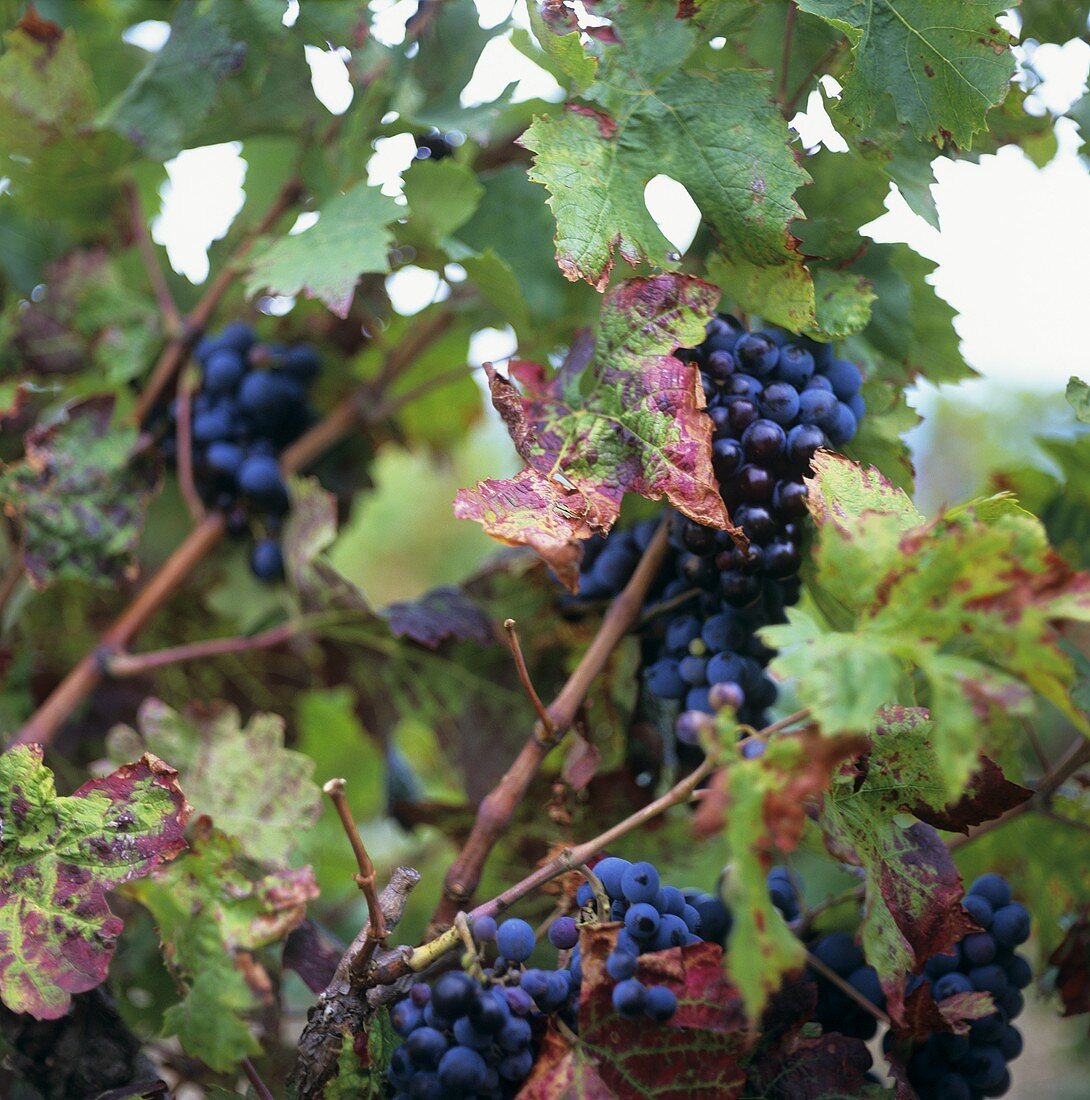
x: 838, y: 951
x: 1011, y: 925
x: 664, y: 679
x: 642, y: 921
x: 659, y: 1003
x: 950, y: 984
x: 844, y: 377
x: 462, y: 1070
x: 484, y: 928
x: 780, y: 402
x: 680, y: 632
x: 726, y: 694
x: 621, y: 965
x: 406, y: 1017
x: 763, y: 441
x: 564, y: 933
x: 640, y: 882
x: 994, y: 889
x: 515, y: 939
x: 426, y: 1046
x: 978, y: 908
x: 610, y: 872
x: 757, y: 353
x: 452, y: 994
x: 978, y: 948
x: 628, y: 998
x: 267, y: 560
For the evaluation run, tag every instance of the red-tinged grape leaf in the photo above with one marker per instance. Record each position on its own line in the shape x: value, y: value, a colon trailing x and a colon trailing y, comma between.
x: 818, y: 1068
x: 216, y: 756
x: 923, y: 1016
x: 968, y: 604
x: 989, y: 795
x: 441, y: 615
x: 581, y: 763
x: 528, y: 510
x: 1072, y: 961
x: 60, y: 854
x: 698, y: 1053
x: 630, y: 421
x: 78, y: 496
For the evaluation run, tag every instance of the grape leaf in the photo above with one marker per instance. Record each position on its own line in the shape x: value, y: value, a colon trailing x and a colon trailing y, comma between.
x: 207, y: 908
x: 944, y: 66
x: 438, y: 616
x: 1078, y: 397
x: 216, y: 757
x: 79, y: 497
x: 698, y: 1053
x: 59, y: 168
x: 970, y: 600
x: 60, y: 854
x: 631, y: 421
x: 442, y: 196
x: 177, y: 88
x: 326, y: 260
x: 728, y: 147
x: 913, y: 900
x: 1072, y: 961
x: 824, y: 1067
x: 1054, y: 20
x: 765, y: 810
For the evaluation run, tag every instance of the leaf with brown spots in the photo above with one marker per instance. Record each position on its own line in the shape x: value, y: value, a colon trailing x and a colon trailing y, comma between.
x: 697, y: 1055
x: 631, y: 421
x: 59, y: 857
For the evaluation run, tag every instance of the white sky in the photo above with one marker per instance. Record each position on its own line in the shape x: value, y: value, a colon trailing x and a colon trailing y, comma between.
x: 1011, y: 253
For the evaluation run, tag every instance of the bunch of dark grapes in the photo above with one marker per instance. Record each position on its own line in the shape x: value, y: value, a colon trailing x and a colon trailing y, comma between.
x: 774, y: 400
x: 466, y: 1036
x: 836, y: 1011
x: 969, y: 1067
x: 655, y: 917
x: 252, y: 404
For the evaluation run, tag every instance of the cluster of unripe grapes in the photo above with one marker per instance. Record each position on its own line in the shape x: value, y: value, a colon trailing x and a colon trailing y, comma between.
x: 252, y: 403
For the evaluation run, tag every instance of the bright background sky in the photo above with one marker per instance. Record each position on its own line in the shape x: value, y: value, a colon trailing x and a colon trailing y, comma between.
x: 1012, y: 248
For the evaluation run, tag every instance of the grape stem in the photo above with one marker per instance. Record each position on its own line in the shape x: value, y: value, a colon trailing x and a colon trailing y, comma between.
x: 262, y: 1090
x: 138, y: 223
x: 183, y: 442
x: 847, y: 988
x: 524, y: 678
x: 421, y: 958
x: 498, y: 807
x: 365, y: 876
x: 121, y: 665
x: 788, y: 40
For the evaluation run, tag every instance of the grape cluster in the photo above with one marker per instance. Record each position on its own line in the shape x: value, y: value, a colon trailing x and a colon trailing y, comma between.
x: 969, y: 1067
x: 466, y: 1036
x: 656, y: 917
x: 609, y: 562
x: 773, y: 401
x: 836, y: 1011
x: 252, y: 403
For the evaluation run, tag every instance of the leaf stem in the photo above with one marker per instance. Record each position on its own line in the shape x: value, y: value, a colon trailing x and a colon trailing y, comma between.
x: 498, y: 807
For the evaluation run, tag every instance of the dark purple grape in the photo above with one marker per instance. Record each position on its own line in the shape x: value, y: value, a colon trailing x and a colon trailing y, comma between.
x: 727, y: 459
x: 795, y: 365
x: 789, y: 497
x: 764, y: 441
x: 462, y: 1070
x: 692, y: 670
x: 743, y: 385
x: 726, y: 694
x: 659, y: 1003
x: 817, y: 406
x: 758, y: 523
x: 267, y: 561
x: 664, y: 679
x: 781, y: 558
x: 803, y: 441
x: 755, y: 483
x: 780, y: 402
x: 741, y: 413
x: 844, y: 377
x: 719, y: 366
x: 628, y: 999
x: 757, y: 353
x: 842, y: 427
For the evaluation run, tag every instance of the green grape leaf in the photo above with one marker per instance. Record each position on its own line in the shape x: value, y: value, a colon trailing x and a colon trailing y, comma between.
x: 59, y: 856
x: 177, y: 89
x: 362, y: 1076
x: 1054, y: 20
x: 351, y: 239
x: 1078, y: 397
x: 79, y: 497
x: 216, y: 756
x: 944, y: 66
x: 562, y: 44
x: 970, y: 602
x: 913, y: 901
x: 758, y: 805
x: 728, y: 147
x: 442, y: 196
x: 208, y: 906
x: 630, y: 421
x: 59, y: 168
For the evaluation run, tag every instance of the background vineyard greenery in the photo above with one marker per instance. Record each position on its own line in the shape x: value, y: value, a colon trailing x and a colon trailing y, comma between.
x: 113, y: 111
